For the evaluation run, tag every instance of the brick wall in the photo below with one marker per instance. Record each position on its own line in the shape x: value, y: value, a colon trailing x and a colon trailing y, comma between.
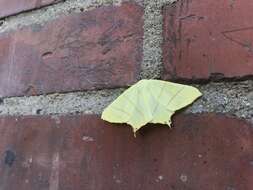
x: 63, y: 62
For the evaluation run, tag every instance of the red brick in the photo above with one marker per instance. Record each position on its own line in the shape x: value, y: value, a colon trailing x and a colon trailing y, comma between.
x: 101, y: 48
x: 12, y: 7
x: 83, y: 152
x: 208, y: 39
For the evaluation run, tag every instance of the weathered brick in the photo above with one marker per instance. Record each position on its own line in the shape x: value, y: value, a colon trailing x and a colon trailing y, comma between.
x: 101, y: 48
x: 83, y: 152
x: 12, y: 7
x: 208, y: 39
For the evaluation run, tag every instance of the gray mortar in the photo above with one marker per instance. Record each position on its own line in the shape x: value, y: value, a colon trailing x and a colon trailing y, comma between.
x: 47, y: 13
x: 153, y: 27
x: 234, y: 98
x: 84, y: 102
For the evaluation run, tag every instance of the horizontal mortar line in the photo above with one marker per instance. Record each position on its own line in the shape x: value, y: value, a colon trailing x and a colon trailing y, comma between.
x: 228, y: 98
x: 59, y: 99
x: 31, y: 10
x: 51, y: 12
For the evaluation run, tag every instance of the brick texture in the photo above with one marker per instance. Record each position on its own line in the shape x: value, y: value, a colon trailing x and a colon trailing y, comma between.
x: 12, y: 7
x: 208, y: 39
x: 82, y: 152
x: 96, y: 49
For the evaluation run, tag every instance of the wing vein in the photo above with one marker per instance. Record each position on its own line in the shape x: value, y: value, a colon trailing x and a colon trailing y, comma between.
x: 153, y: 112
x: 121, y: 110
x: 173, y: 97
x: 137, y: 109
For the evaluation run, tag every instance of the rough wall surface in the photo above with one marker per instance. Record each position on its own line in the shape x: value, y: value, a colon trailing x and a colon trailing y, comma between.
x: 83, y: 152
x: 8, y: 8
x: 61, y: 61
x: 76, y: 52
x: 204, y: 39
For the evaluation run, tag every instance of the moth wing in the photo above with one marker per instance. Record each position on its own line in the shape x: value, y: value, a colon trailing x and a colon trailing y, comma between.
x: 169, y: 97
x: 150, y: 101
x: 130, y: 107
x: 180, y: 96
